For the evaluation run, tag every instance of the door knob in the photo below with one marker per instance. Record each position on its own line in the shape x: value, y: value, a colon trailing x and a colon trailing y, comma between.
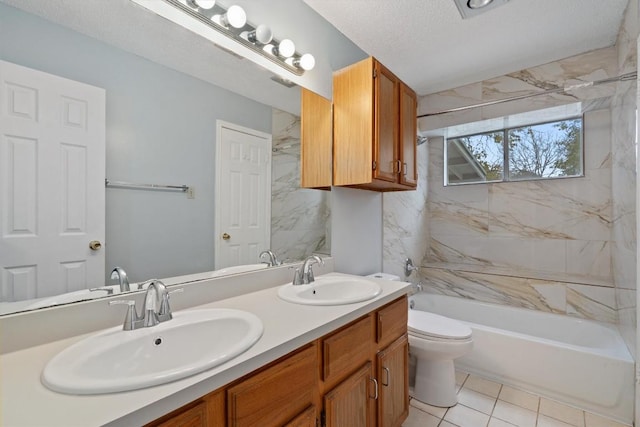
x: 95, y: 245
x: 225, y: 236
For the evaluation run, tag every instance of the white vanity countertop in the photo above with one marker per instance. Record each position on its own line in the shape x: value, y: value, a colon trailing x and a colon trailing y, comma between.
x: 26, y: 402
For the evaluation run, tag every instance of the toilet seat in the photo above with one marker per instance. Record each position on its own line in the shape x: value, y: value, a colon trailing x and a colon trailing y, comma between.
x: 433, y: 326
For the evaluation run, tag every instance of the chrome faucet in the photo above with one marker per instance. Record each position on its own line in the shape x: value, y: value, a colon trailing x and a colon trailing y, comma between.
x: 155, y: 308
x: 273, y: 259
x: 304, y: 275
x: 123, y: 281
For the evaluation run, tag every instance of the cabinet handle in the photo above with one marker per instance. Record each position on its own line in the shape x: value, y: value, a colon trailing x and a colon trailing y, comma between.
x: 388, y: 375
x: 375, y: 383
x: 404, y: 168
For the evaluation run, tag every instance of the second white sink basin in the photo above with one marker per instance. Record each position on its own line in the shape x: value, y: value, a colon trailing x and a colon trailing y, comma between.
x: 331, y: 290
x: 116, y: 360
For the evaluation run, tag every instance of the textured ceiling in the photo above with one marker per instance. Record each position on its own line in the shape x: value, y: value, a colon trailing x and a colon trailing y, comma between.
x: 425, y: 42
x: 428, y: 45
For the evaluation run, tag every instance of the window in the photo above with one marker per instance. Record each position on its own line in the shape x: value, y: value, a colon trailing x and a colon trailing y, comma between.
x: 541, y: 151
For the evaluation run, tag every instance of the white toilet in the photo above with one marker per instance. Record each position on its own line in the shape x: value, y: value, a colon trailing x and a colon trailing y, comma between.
x: 435, y: 341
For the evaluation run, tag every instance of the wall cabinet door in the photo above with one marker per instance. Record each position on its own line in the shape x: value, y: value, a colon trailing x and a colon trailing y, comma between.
x: 408, y: 136
x: 385, y: 143
x: 393, y: 379
x: 352, y: 402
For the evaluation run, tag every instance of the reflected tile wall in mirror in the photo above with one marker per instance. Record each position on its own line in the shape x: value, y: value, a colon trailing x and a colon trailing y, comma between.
x: 300, y: 217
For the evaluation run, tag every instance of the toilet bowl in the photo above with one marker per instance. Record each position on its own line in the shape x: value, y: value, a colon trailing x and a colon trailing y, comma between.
x: 436, y: 341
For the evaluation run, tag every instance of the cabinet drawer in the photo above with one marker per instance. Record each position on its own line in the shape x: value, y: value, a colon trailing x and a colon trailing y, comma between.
x: 391, y: 322
x: 193, y: 415
x: 346, y: 349
x: 277, y: 394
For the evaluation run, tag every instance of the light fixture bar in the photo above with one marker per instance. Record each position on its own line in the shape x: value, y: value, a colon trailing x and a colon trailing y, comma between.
x: 232, y: 35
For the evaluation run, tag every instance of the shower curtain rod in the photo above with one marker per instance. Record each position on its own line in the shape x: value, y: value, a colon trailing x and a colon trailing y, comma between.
x: 624, y: 77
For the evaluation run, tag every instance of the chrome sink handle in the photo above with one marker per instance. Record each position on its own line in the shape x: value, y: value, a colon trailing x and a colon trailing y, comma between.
x: 132, y: 320
x: 165, y: 309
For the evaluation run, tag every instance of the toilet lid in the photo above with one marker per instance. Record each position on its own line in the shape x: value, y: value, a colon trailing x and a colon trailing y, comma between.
x: 434, y: 325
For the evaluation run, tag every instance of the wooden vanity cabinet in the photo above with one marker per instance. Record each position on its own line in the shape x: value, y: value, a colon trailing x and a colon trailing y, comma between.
x: 365, y: 370
x: 316, y: 144
x: 354, y: 376
x: 374, y: 129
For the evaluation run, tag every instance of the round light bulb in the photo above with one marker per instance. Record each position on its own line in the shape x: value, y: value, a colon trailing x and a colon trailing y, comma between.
x: 202, y: 4
x: 286, y: 48
x: 263, y: 34
x: 478, y: 4
x: 235, y: 16
x: 307, y: 62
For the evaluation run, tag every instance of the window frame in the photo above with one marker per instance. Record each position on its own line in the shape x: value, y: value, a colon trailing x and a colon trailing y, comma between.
x: 506, y: 172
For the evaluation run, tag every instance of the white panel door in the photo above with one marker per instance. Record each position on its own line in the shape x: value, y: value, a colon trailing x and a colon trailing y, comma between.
x: 52, y: 169
x: 243, y: 195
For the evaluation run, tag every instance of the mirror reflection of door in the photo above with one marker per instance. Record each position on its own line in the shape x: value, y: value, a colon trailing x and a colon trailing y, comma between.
x: 52, y: 193
x: 243, y: 195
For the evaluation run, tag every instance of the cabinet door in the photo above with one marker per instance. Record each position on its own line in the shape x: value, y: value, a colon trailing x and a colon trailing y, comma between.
x: 352, y: 402
x: 353, y: 114
x: 408, y: 136
x: 393, y: 377
x: 316, y: 141
x: 277, y: 394
x: 391, y: 322
x: 386, y: 125
x: 305, y: 419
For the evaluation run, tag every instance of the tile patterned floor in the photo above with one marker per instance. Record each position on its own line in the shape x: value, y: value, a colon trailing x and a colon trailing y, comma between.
x: 484, y: 403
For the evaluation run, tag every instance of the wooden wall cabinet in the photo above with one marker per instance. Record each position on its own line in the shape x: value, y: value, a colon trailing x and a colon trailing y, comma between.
x: 316, y: 143
x: 374, y: 129
x: 355, y: 376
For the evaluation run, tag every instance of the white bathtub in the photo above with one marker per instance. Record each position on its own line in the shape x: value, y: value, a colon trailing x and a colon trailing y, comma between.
x: 582, y: 363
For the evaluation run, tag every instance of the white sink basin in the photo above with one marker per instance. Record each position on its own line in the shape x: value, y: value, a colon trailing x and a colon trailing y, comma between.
x: 116, y: 360
x: 331, y: 290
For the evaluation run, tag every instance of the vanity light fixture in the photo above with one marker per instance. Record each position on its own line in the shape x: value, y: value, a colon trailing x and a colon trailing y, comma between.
x: 235, y: 17
x: 472, y: 8
x: 478, y: 4
x: 203, y: 4
x: 262, y: 34
x: 306, y: 62
x: 232, y: 22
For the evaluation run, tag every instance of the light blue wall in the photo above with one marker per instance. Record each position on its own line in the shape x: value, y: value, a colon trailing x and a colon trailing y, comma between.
x: 160, y: 129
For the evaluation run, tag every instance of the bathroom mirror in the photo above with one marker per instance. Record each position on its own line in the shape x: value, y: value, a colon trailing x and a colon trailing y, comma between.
x: 161, y: 129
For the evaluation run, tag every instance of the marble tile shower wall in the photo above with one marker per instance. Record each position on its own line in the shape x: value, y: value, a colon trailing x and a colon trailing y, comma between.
x: 538, y: 244
x: 546, y: 245
x: 624, y: 141
x: 300, y: 217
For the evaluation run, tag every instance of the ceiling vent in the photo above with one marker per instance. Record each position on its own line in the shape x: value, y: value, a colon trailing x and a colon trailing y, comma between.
x: 470, y: 8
